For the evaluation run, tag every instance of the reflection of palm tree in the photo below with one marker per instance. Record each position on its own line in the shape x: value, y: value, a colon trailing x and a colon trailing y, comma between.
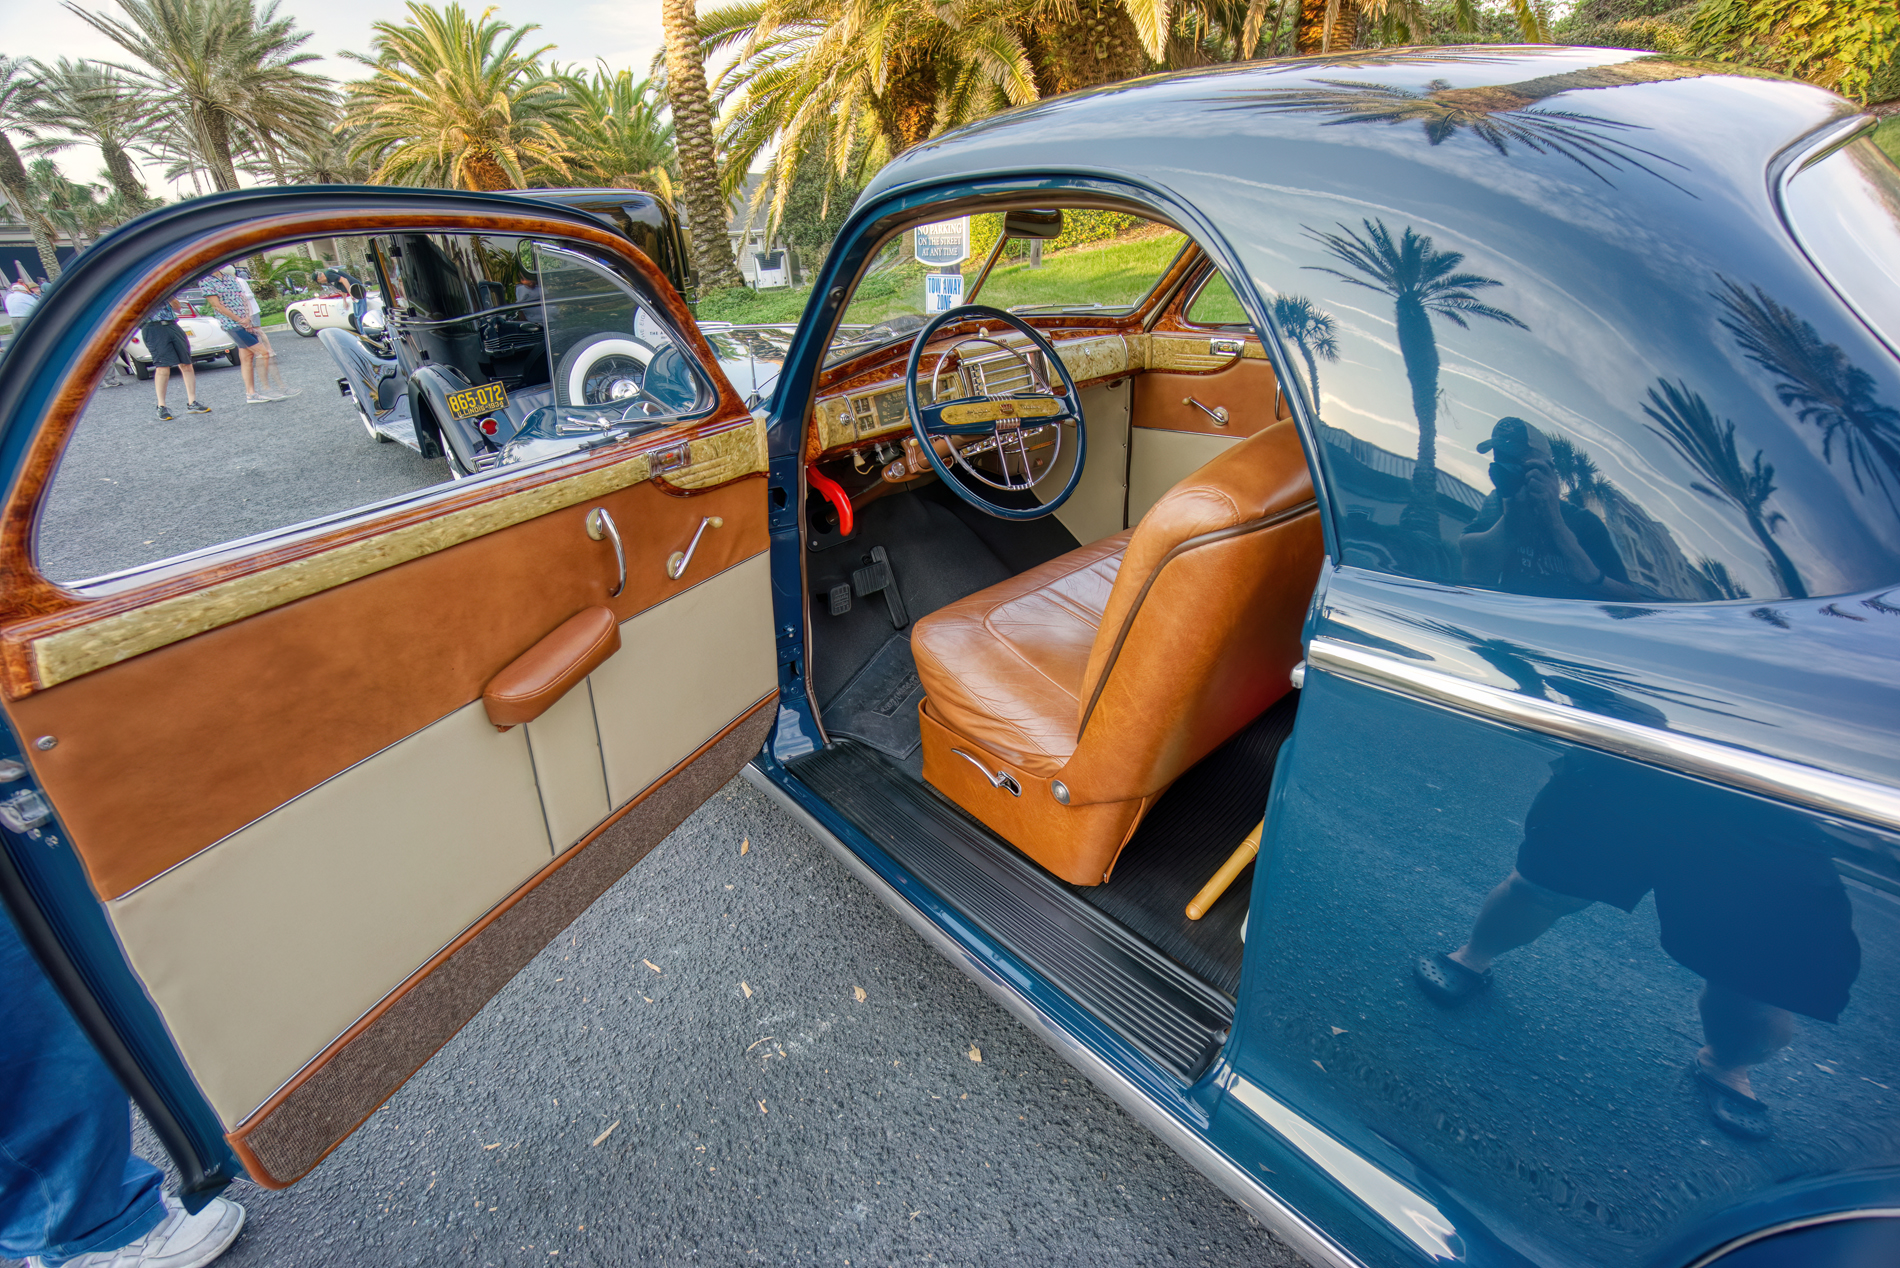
x: 1818, y: 381
x: 1582, y: 480
x: 1312, y: 328
x: 1423, y: 283
x: 1688, y: 424
x: 1496, y: 114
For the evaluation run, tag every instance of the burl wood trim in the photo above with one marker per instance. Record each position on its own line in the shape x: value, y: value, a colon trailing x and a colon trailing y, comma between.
x: 65, y: 655
x: 329, y: 1098
x: 46, y: 628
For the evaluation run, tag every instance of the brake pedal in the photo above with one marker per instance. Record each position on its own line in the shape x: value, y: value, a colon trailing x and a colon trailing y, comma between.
x: 878, y: 576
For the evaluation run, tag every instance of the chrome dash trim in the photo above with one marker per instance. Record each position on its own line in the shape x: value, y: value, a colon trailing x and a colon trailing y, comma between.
x: 1305, y: 1237
x: 1809, y: 786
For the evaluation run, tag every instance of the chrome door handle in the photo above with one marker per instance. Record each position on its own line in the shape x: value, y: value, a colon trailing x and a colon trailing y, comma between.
x: 600, y: 524
x: 677, y: 562
x: 1218, y: 413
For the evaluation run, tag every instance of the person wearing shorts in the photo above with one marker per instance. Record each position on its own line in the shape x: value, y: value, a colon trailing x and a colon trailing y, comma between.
x: 171, y: 350
x: 227, y: 299
x: 1746, y: 895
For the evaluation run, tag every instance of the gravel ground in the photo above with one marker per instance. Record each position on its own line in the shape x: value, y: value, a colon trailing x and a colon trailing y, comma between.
x: 132, y: 489
x: 742, y: 1105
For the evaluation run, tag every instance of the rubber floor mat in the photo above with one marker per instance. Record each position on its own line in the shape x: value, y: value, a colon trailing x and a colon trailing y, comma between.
x: 1184, y: 840
x: 879, y: 705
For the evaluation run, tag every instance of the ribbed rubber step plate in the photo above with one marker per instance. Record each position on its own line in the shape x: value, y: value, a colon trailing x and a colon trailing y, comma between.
x: 1146, y: 998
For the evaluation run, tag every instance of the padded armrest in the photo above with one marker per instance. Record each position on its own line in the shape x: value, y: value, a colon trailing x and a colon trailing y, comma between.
x: 544, y: 673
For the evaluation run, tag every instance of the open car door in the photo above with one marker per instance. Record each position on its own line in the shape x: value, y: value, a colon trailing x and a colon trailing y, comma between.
x: 293, y: 779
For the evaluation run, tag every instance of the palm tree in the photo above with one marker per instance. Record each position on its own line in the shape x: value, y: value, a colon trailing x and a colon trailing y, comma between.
x: 20, y: 100
x: 1423, y: 282
x: 1819, y: 383
x: 94, y: 104
x: 855, y: 83
x: 1684, y: 419
x: 456, y: 102
x: 1312, y: 330
x: 224, y: 66
x: 691, y: 100
x: 1499, y: 115
x: 619, y: 133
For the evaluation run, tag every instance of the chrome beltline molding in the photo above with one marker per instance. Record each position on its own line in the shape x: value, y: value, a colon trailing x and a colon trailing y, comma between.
x: 1790, y: 1226
x: 1287, y: 1224
x: 1810, y: 786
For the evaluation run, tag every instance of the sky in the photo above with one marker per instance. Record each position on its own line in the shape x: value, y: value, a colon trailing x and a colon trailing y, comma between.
x: 625, y: 33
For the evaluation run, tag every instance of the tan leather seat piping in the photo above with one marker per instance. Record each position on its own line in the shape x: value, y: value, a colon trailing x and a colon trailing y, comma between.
x: 1134, y: 609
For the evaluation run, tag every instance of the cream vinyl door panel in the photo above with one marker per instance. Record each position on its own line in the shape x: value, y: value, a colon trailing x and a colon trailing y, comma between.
x: 566, y: 747
x: 1162, y: 459
x: 685, y: 669
x: 262, y: 949
x: 1094, y: 510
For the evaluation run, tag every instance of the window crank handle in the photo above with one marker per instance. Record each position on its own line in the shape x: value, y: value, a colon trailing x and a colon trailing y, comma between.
x: 600, y: 524
x: 677, y: 562
x: 1218, y: 413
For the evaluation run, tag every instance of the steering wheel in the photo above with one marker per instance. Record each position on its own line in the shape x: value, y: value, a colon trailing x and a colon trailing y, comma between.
x: 999, y: 424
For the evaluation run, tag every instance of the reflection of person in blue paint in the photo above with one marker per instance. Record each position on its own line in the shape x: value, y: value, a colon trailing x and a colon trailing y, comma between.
x: 1527, y: 539
x: 1746, y: 894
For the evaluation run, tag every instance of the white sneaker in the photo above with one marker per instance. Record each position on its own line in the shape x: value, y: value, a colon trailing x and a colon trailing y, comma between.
x: 179, y: 1241
x: 258, y: 398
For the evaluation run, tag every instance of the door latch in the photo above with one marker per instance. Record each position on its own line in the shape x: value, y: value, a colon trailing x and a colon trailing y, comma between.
x: 25, y: 810
x: 1226, y: 347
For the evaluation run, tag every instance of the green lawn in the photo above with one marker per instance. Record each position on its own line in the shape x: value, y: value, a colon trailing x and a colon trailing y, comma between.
x: 1115, y: 274
x: 1887, y: 137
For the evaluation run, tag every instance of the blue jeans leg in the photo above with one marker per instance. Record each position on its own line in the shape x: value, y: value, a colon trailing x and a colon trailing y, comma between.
x: 69, y: 1183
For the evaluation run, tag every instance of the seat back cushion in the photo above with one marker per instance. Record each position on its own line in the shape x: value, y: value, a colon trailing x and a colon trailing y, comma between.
x: 1201, y: 630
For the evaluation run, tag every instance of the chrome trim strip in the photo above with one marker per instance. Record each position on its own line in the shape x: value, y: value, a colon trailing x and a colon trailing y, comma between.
x: 1811, y: 1221
x: 1809, y: 786
x: 1285, y: 1223
x: 1409, y: 1213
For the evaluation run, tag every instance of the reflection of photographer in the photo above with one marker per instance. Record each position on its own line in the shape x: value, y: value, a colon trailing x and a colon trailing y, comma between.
x: 1527, y: 539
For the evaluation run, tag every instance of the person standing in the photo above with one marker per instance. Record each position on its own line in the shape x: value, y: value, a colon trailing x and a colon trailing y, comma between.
x: 22, y: 299
x: 72, y: 1193
x: 165, y: 340
x: 266, y: 354
x: 227, y: 299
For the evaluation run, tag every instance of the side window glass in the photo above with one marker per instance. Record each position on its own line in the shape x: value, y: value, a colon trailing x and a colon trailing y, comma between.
x: 1679, y: 436
x: 1215, y: 304
x: 317, y: 379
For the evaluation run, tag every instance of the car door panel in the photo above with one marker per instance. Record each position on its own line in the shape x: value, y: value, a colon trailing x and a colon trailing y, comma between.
x: 1171, y: 439
x: 272, y: 760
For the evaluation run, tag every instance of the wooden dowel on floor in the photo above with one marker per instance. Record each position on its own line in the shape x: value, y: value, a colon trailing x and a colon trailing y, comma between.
x: 1217, y: 885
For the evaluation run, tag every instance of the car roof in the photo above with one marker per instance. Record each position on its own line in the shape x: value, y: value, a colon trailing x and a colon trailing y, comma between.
x: 1260, y: 117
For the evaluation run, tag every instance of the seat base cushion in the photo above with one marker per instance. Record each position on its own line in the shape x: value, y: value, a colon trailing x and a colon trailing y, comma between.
x: 1069, y: 841
x: 1004, y: 667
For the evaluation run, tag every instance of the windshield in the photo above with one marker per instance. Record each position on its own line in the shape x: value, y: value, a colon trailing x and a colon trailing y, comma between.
x: 1103, y: 262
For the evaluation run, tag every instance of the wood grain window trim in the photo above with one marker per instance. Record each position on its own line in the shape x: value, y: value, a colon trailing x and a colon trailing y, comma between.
x: 320, y: 1117
x: 46, y: 638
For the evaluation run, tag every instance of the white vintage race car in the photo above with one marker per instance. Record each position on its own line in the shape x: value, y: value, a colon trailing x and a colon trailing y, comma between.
x: 207, y: 338
x: 308, y: 316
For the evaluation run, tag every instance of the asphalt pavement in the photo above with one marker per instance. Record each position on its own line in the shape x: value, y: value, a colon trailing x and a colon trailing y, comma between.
x: 132, y: 489
x: 688, y: 1076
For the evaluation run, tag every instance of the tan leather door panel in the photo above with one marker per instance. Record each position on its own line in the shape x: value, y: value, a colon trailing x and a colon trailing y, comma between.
x: 1248, y: 390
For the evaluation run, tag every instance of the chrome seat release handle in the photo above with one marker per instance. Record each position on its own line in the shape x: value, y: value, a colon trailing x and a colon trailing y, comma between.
x: 679, y: 560
x: 600, y: 524
x: 1218, y: 413
x: 999, y: 779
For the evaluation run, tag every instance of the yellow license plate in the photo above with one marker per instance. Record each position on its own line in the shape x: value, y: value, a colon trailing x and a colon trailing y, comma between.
x: 473, y: 401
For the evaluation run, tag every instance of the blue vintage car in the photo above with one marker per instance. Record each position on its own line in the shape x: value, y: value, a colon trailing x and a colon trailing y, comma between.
x: 1468, y: 479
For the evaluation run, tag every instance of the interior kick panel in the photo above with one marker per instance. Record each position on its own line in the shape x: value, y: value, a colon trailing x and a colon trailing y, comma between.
x: 1156, y: 1005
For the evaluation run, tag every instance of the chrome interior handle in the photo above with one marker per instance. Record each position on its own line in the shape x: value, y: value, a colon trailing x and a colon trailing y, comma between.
x: 679, y: 560
x: 1218, y: 413
x: 600, y: 524
x: 1001, y: 779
